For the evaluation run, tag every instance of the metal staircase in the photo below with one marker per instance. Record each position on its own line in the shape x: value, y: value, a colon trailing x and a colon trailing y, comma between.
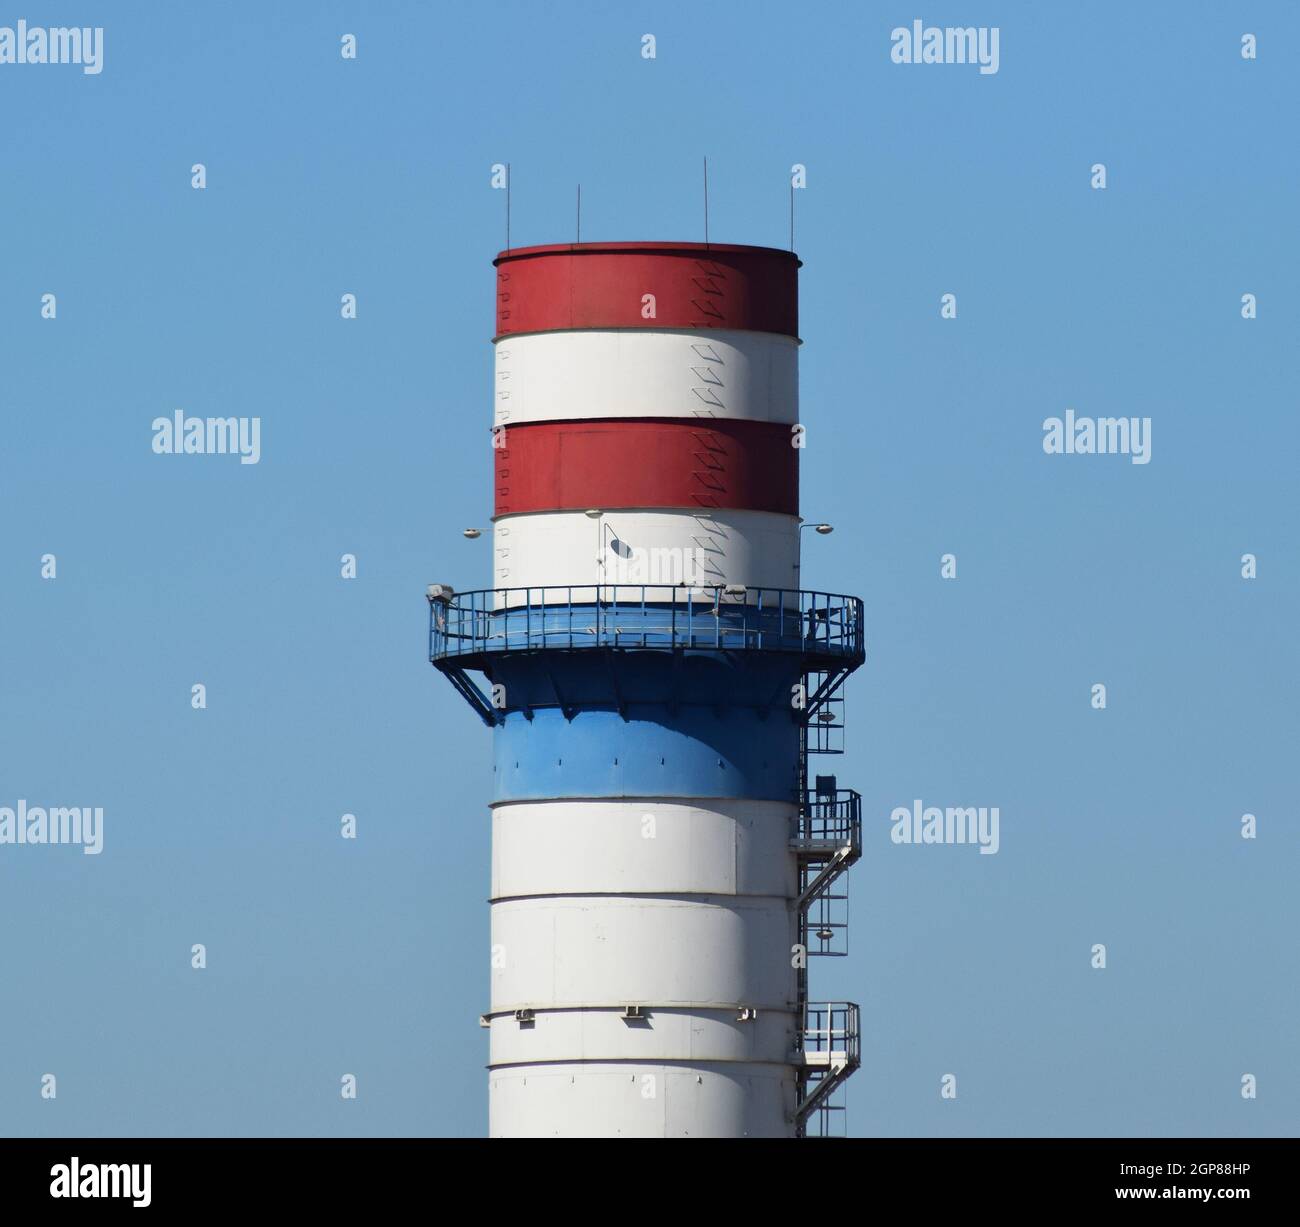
x: 829, y: 1052
x: 826, y: 840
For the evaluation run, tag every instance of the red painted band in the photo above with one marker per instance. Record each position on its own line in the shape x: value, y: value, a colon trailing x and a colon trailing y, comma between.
x: 618, y: 285
x: 650, y: 463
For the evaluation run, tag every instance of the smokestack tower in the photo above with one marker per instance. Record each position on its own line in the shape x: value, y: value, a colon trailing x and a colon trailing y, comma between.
x: 656, y: 680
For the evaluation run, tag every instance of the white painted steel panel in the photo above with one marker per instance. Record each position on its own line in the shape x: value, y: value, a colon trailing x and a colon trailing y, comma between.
x: 698, y: 1100
x: 552, y: 549
x: 554, y: 376
x: 645, y: 846
x: 663, y: 1035
x: 712, y: 950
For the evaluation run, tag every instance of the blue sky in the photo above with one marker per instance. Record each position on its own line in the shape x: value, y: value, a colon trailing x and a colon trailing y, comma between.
x: 371, y: 177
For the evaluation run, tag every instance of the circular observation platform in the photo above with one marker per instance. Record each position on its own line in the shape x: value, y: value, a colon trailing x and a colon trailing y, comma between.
x: 467, y: 629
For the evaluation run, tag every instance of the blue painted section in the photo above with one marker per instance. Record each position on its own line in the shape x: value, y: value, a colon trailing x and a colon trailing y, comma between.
x: 621, y: 699
x: 655, y: 752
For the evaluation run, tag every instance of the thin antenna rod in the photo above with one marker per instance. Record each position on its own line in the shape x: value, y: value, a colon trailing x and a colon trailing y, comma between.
x: 706, y: 202
x: 792, y: 215
x: 508, y: 178
x: 579, y: 212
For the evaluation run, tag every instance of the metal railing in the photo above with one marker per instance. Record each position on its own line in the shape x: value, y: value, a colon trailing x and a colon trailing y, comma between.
x: 831, y: 1033
x: 645, y: 616
x: 829, y: 820
x: 829, y: 1054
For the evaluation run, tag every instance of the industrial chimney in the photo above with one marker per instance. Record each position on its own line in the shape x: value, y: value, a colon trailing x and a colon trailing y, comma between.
x: 656, y: 680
